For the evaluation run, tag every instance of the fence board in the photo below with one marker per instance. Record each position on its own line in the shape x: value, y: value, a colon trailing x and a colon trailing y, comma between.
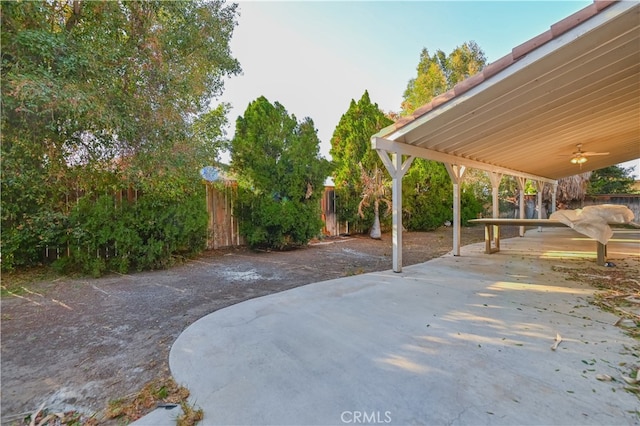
x: 223, y: 229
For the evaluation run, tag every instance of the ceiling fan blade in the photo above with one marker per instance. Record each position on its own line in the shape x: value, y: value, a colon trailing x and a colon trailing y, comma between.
x: 590, y: 154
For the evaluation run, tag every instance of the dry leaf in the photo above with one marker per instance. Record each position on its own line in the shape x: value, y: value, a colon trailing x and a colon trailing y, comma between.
x: 557, y: 342
x: 52, y: 416
x: 34, y: 415
x: 630, y: 380
x: 604, y: 377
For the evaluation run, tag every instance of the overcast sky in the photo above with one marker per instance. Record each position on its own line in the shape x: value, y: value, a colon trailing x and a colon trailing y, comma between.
x: 314, y: 57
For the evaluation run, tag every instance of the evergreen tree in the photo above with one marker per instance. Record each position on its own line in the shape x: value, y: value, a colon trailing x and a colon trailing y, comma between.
x: 281, y: 176
x: 439, y: 72
x: 610, y: 180
x: 427, y: 187
x: 350, y: 146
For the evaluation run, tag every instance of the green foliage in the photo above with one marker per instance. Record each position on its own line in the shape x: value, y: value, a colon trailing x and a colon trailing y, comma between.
x: 611, y: 180
x: 440, y: 72
x: 100, y: 235
x: 508, y: 196
x: 99, y: 96
x: 428, y: 196
x: 103, y: 235
x: 350, y: 145
x: 127, y: 72
x: 279, y: 224
x: 470, y: 205
x: 24, y: 244
x: 281, y: 176
x: 477, y: 187
x: 530, y: 188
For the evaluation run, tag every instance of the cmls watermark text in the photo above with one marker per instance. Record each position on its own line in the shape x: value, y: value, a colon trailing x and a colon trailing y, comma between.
x: 365, y: 417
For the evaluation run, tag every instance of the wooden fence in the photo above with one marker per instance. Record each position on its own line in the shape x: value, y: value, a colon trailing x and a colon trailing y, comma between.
x: 632, y: 201
x: 332, y: 226
x: 223, y: 229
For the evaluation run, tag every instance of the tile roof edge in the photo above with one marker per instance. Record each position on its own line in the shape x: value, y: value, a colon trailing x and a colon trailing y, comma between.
x: 531, y: 44
x: 442, y: 98
x: 468, y: 83
x: 387, y: 130
x: 403, y: 121
x: 423, y: 109
x: 573, y: 20
x: 497, y: 66
x: 603, y: 4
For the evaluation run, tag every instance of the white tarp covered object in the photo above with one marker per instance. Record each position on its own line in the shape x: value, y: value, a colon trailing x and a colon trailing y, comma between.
x: 593, y: 221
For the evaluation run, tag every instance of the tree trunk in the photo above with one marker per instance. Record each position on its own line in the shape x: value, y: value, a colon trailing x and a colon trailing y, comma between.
x: 376, y: 233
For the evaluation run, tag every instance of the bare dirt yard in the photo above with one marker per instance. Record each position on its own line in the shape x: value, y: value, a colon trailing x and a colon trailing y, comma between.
x: 80, y: 343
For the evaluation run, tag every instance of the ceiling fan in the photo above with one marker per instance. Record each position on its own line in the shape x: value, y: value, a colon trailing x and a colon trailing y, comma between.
x: 580, y: 156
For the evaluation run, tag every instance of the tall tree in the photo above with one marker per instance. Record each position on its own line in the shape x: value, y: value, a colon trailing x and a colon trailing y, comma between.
x: 430, y: 82
x: 427, y: 186
x: 281, y: 175
x: 611, y: 180
x: 100, y: 95
x: 350, y: 146
x: 91, y: 81
x: 439, y: 72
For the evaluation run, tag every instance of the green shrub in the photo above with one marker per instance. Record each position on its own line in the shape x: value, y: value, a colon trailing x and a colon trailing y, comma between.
x: 427, y: 196
x: 470, y: 207
x: 146, y: 234
x: 279, y: 224
x: 25, y: 243
x: 100, y: 234
x: 281, y: 176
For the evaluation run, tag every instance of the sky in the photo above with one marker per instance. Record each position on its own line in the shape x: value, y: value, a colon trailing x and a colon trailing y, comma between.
x: 314, y: 57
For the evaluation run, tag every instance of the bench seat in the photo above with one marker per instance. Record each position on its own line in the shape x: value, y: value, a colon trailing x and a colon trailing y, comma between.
x: 492, y: 233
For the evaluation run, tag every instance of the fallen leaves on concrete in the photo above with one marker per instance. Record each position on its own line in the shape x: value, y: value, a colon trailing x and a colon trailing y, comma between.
x: 557, y: 342
x: 618, y: 291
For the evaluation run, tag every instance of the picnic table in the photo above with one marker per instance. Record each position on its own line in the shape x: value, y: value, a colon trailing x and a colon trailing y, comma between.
x: 492, y: 233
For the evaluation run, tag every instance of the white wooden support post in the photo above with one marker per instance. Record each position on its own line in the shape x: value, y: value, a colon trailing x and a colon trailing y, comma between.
x: 211, y: 219
x: 397, y: 170
x: 495, y: 179
x: 456, y: 173
x: 521, y: 185
x: 540, y: 189
x: 554, y: 192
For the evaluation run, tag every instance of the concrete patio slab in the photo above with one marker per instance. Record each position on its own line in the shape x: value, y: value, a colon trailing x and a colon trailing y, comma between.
x: 456, y: 340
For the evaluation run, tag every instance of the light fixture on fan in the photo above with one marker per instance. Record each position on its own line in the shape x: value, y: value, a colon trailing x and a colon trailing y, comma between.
x: 579, y: 159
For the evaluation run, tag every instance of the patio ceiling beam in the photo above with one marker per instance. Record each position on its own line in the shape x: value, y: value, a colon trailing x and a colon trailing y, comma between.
x: 429, y: 154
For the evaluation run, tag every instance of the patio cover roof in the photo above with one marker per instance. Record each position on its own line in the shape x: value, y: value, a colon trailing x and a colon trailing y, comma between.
x: 524, y: 115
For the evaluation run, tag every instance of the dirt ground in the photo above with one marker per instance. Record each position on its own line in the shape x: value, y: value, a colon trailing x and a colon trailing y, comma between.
x: 77, y: 344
